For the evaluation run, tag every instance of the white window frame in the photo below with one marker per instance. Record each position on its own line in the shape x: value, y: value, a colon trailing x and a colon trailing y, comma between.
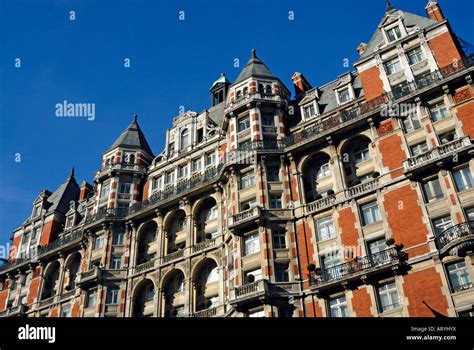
x: 388, y: 292
x: 373, y: 211
x: 325, y: 228
x: 338, y: 307
x: 252, y: 244
x: 465, y: 178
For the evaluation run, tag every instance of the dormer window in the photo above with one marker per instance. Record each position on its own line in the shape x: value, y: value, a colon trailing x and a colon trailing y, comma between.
x: 261, y: 89
x: 70, y: 221
x: 309, y: 111
x: 185, y: 140
x: 393, y: 66
x: 36, y: 210
x: 393, y: 34
x: 344, y: 96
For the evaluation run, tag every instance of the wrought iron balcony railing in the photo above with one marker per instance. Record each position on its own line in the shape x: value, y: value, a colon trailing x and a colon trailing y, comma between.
x: 359, y: 266
x: 75, y: 236
x: 456, y: 234
x: 116, y: 213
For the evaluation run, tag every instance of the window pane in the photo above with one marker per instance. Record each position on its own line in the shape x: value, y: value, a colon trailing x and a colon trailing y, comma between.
x: 463, y: 179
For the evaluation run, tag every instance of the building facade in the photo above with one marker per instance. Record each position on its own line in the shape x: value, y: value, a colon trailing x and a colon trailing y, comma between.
x: 354, y: 198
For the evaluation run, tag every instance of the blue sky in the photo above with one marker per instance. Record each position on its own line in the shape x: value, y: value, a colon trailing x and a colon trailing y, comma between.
x: 173, y: 64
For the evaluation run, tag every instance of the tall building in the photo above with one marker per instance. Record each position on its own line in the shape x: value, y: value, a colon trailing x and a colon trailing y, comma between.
x: 354, y: 198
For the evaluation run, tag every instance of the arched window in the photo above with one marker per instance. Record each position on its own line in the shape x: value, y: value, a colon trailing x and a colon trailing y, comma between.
x: 261, y: 88
x: 361, y: 153
x: 268, y: 89
x: 239, y: 94
x: 246, y: 91
x: 213, y: 275
x: 185, y: 138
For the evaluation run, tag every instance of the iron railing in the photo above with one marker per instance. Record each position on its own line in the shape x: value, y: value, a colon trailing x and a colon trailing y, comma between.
x: 454, y: 233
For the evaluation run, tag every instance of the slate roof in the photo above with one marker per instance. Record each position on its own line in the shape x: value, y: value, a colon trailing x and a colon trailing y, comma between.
x: 132, y: 137
x: 68, y: 191
x: 254, y: 68
x: 410, y: 20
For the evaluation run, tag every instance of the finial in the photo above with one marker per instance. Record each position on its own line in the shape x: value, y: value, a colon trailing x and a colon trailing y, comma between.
x: 72, y: 172
x: 254, y: 53
x: 388, y: 5
x: 223, y: 75
x: 135, y: 117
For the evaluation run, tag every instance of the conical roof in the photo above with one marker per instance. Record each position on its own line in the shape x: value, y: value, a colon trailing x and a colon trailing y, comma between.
x: 132, y: 137
x: 254, y: 68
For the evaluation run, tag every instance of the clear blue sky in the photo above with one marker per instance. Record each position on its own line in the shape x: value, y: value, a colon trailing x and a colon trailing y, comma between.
x: 173, y: 63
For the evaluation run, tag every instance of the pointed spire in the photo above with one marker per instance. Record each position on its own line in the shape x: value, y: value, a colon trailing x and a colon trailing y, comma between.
x: 254, y: 53
x: 135, y: 117
x: 71, y: 175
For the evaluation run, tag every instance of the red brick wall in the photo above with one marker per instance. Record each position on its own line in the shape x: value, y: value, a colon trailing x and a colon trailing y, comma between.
x: 3, y: 299
x: 54, y: 312
x: 444, y: 49
x: 306, y: 248
x: 425, y: 286
x: 392, y: 154
x: 313, y: 309
x: 146, y: 188
x: 349, y: 234
x: 50, y: 231
x: 465, y: 115
x: 33, y: 290
x: 371, y: 82
x: 15, y: 247
x: 405, y: 219
x: 76, y: 310
x: 361, y: 302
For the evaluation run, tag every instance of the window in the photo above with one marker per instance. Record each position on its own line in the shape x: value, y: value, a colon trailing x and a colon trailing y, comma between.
x: 463, y: 178
x: 268, y: 89
x: 36, y: 233
x: 459, y: 276
x: 279, y: 239
x: 252, y: 244
x: 118, y: 237
x: 257, y: 274
x: 243, y: 124
x: 275, y: 201
x: 116, y: 263
x: 325, y: 228
x: 112, y: 296
x: 470, y: 214
x: 393, y: 34
x: 169, y: 177
x: 361, y: 153
x: 268, y: 120
x: 212, y: 213
x: 388, y: 297
x: 377, y: 246
x: 129, y: 158
x: 105, y: 190
x: 183, y: 171
x: 393, y: 66
x: 98, y: 242
x: 330, y: 260
x: 411, y: 121
x: 338, y: 307
x: 210, y: 158
x: 66, y: 311
x: 257, y: 314
x: 442, y: 224
x: 415, y: 56
x: 171, y: 148
x: 468, y: 313
x: 439, y: 112
x: 185, y: 139
x: 247, y: 180
x: 323, y: 171
x: 248, y: 204
x: 156, y: 183
x: 124, y: 188
x: 370, y: 213
x: 196, y: 165
x: 432, y: 190
x: 344, y: 96
x: 273, y: 173
x: 149, y: 294
x: 448, y: 137
x: 309, y: 111
x: 200, y: 135
x: 91, y: 299
x: 281, y: 273
x: 419, y: 148
x: 181, y: 224
x: 37, y: 210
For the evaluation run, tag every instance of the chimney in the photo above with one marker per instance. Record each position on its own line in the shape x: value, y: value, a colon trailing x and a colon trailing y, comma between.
x: 300, y: 83
x: 434, y: 11
x: 85, y: 189
x: 362, y: 48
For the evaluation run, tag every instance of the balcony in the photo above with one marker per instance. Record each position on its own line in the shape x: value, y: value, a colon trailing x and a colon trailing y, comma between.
x: 108, y: 214
x: 362, y: 189
x: 204, y: 245
x: 61, y: 243
x: 171, y: 192
x: 47, y: 302
x: 13, y: 311
x: 206, y: 313
x: 144, y: 267
x: 121, y: 167
x: 253, y: 97
x: 173, y: 256
x: 436, y: 156
x: 457, y: 240
x: 244, y: 219
x: 367, y: 108
x: 90, y: 277
x: 360, y: 270
x: 320, y: 204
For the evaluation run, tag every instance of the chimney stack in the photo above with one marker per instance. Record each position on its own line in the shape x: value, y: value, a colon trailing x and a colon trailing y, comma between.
x: 434, y: 11
x: 300, y: 83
